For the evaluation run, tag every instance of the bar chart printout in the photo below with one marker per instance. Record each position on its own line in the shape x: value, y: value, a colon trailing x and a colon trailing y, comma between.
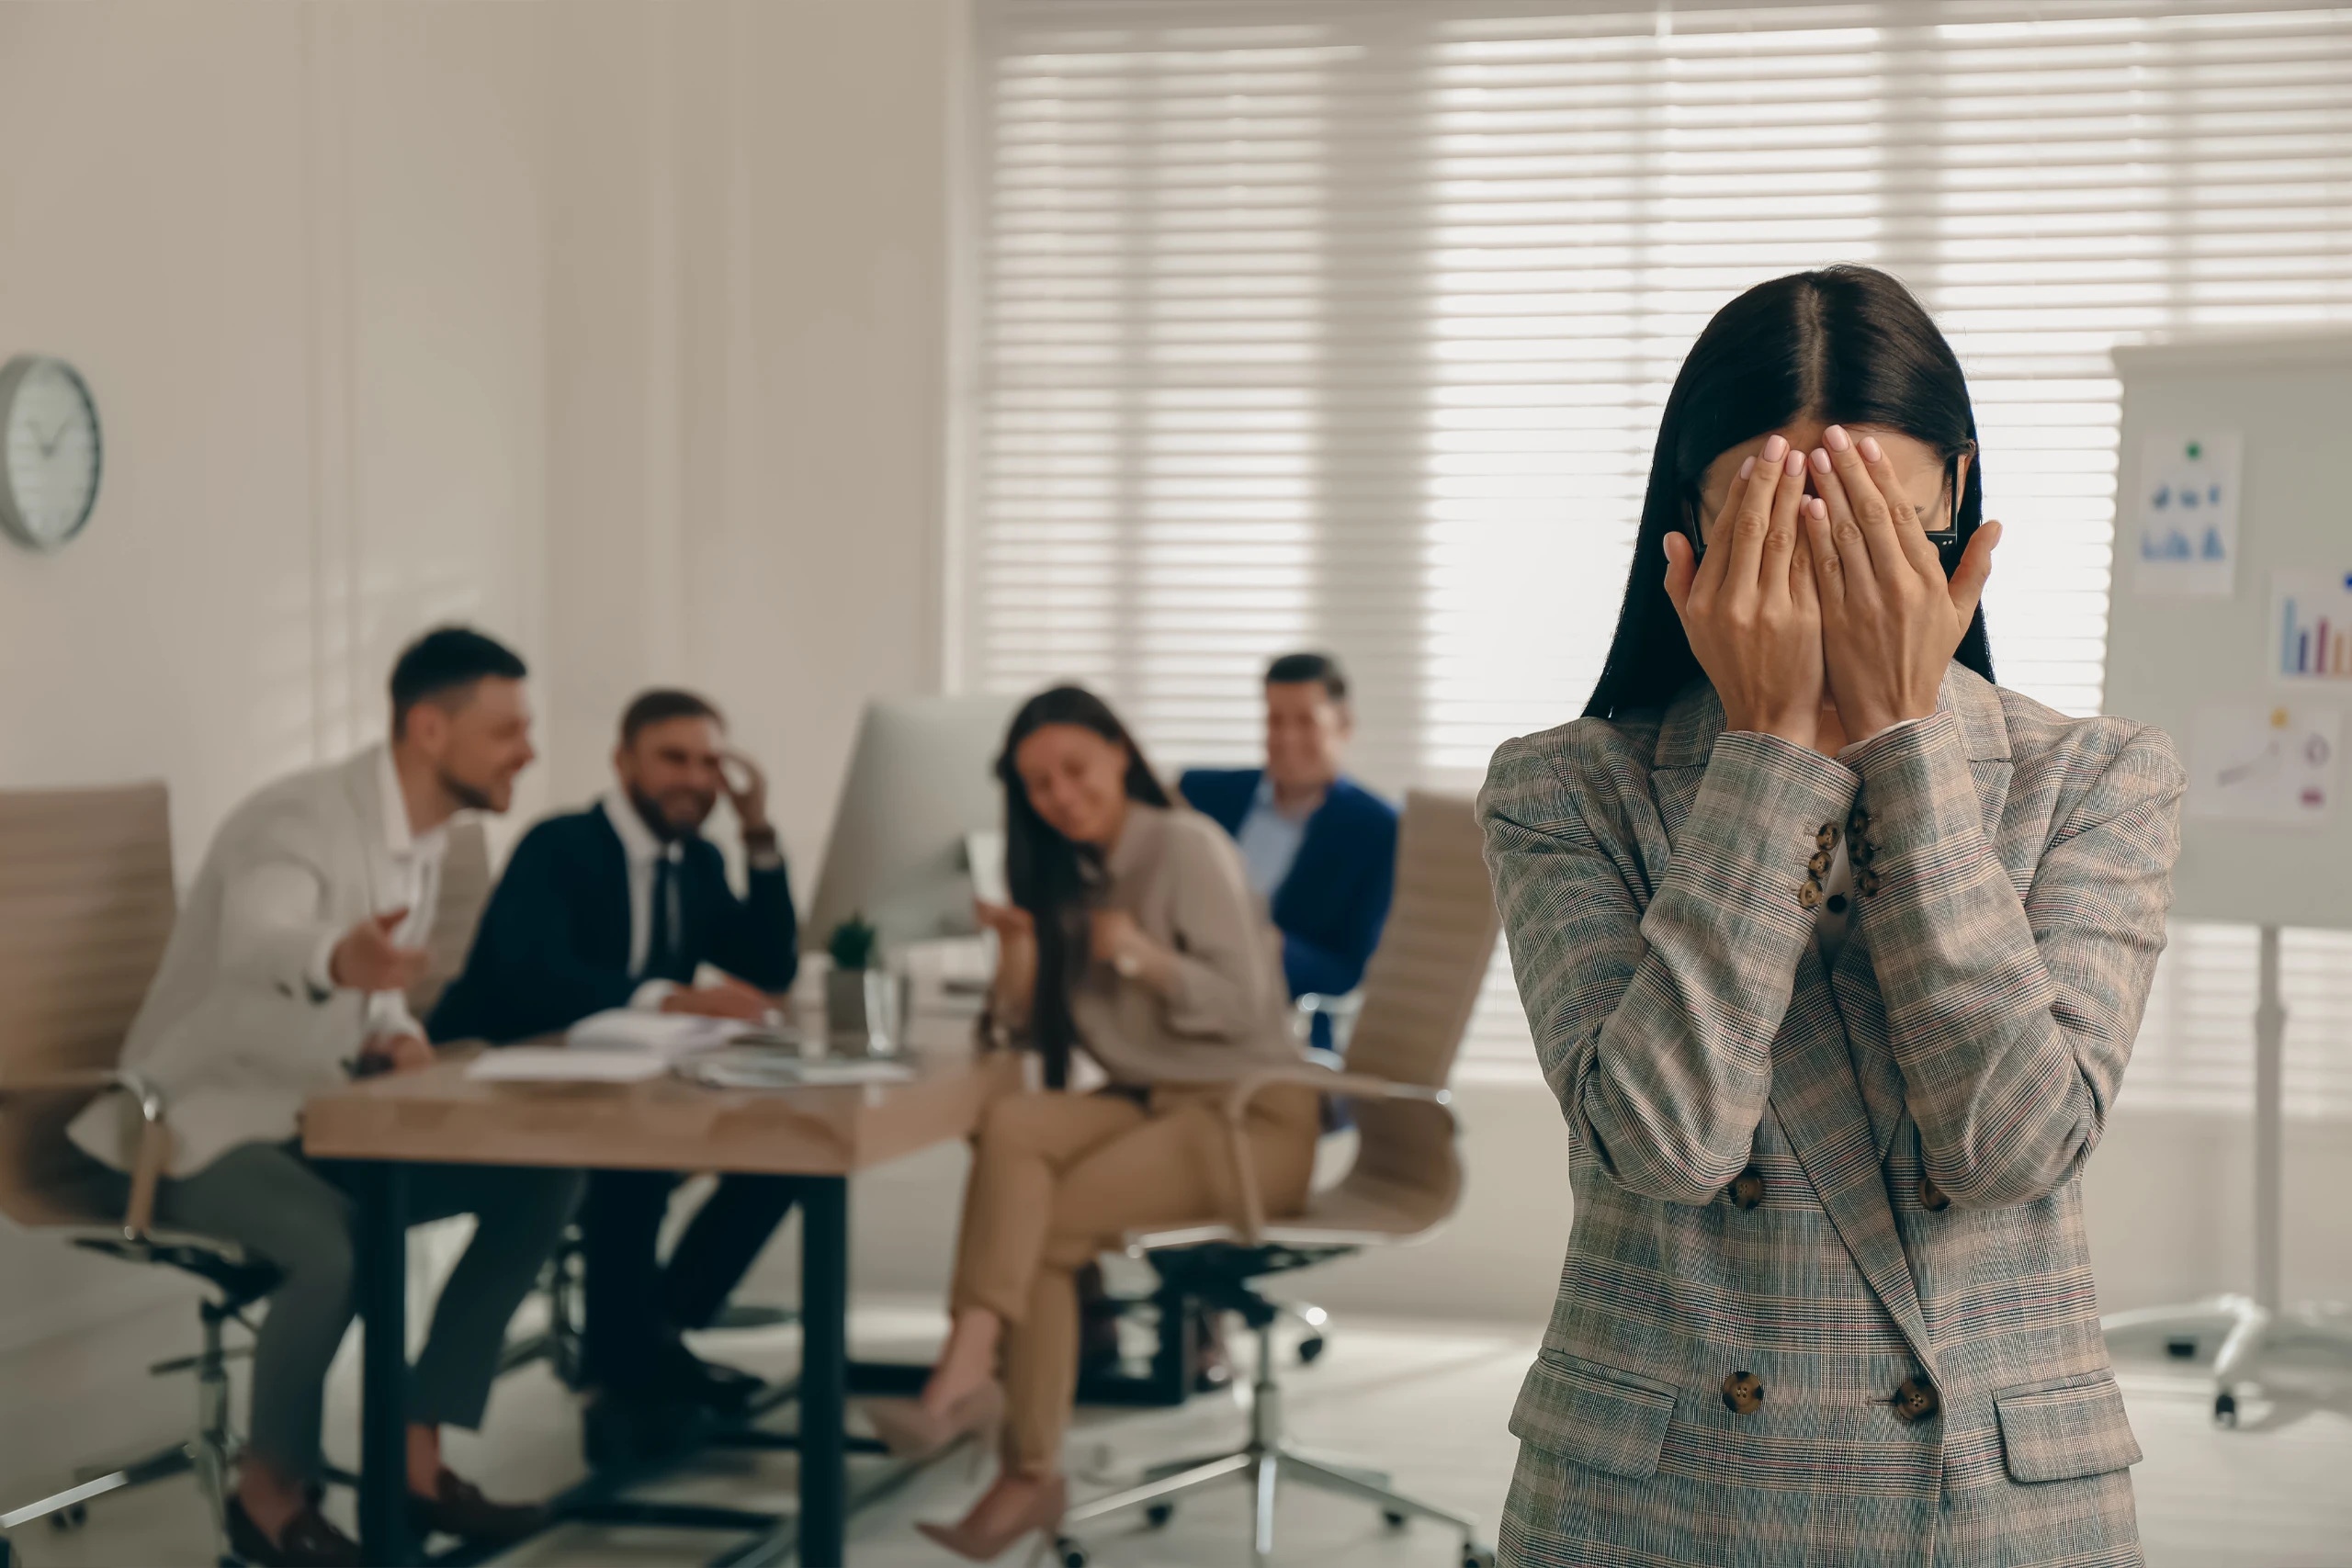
x: 2311, y: 626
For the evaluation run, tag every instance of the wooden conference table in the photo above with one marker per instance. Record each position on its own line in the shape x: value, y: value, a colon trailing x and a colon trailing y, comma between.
x: 438, y: 1115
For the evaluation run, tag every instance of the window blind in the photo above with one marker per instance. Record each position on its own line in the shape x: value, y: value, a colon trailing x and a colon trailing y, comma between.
x: 1348, y: 325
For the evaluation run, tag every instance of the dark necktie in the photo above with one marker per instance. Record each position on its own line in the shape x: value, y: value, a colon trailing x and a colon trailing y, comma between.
x: 663, y: 948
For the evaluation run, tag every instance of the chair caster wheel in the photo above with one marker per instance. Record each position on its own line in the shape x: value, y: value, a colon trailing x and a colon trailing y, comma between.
x: 1308, y: 1350
x: 70, y: 1519
x: 1477, y: 1557
x: 1157, y: 1514
x: 1069, y: 1554
x: 2225, y: 1409
x: 1392, y: 1518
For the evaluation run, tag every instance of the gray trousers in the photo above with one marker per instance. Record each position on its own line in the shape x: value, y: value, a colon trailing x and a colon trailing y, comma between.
x: 277, y: 1205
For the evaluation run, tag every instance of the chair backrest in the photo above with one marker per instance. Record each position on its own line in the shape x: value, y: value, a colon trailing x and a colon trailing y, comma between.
x: 1425, y: 975
x: 1419, y: 991
x: 87, y: 904
x: 465, y: 893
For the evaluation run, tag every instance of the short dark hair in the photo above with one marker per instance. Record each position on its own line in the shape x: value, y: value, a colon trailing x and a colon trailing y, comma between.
x: 444, y: 662
x: 661, y: 706
x: 1297, y: 669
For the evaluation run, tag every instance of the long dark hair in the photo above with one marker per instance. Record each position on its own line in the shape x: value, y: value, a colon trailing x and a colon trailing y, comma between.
x: 1056, y: 880
x: 1846, y: 345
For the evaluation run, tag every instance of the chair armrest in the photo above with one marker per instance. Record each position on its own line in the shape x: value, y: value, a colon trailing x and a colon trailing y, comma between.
x: 154, y: 1137
x: 1246, y: 1087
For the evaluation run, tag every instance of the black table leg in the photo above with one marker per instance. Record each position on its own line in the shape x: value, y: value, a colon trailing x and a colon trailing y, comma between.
x: 386, y: 1538
x: 824, y: 1368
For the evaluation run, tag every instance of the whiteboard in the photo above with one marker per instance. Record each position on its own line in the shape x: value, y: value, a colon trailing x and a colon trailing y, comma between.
x: 2171, y: 658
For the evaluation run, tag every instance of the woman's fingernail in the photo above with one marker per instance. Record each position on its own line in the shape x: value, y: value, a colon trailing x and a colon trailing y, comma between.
x: 1838, y: 438
x: 1793, y: 464
x: 1748, y: 464
x: 1869, y: 449
x: 1820, y: 461
x: 1773, y: 447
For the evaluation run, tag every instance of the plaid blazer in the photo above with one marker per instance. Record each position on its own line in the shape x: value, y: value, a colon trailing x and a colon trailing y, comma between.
x: 1828, y: 1297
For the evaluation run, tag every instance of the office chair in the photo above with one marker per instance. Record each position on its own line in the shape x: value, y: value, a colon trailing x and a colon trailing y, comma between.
x: 1407, y: 1180
x: 86, y: 904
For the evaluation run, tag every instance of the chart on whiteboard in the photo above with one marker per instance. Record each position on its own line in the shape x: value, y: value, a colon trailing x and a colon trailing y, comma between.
x: 2311, y: 627
x: 2186, y: 517
x: 2265, y: 763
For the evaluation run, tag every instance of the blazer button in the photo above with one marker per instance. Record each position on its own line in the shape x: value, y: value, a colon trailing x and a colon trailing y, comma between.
x: 1809, y: 895
x: 1747, y: 1189
x: 1915, y: 1400
x: 1819, y: 863
x: 1932, y: 1198
x: 1868, y: 883
x: 1743, y: 1394
x: 1828, y: 838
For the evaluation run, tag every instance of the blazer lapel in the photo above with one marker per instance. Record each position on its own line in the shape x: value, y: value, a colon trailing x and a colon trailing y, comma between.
x: 1820, y: 1106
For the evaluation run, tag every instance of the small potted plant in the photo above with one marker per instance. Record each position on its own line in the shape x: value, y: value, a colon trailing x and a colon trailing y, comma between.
x: 861, y: 997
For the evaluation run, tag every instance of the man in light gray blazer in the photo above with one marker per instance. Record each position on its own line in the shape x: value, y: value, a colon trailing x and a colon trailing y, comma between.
x: 285, y: 976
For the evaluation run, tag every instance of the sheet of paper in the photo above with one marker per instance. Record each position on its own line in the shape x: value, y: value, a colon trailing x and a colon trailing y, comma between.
x: 2256, y: 762
x: 2182, y: 518
x: 2311, y: 628
x: 664, y: 1036
x: 554, y: 1064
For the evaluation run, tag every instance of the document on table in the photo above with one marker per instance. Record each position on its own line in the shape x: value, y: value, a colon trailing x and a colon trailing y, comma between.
x: 622, y: 1045
x: 555, y: 1063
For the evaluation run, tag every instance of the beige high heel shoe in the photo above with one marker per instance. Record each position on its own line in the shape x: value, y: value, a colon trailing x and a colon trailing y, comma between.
x: 1042, y: 1518
x: 910, y: 1430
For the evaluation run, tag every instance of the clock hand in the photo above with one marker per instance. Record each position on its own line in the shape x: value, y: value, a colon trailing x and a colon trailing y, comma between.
x: 48, y: 447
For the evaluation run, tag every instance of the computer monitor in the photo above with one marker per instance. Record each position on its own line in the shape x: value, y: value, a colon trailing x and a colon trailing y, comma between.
x: 920, y: 786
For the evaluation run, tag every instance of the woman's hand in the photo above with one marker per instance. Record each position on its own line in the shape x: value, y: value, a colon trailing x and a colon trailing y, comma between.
x: 1890, y: 622
x: 1117, y: 940
x: 1009, y: 923
x: 1749, y: 607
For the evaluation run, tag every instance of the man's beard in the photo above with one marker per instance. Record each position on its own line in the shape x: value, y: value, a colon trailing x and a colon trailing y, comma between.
x: 470, y: 797
x: 649, y: 812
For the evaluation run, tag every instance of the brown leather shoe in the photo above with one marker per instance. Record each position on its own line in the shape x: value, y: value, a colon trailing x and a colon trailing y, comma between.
x: 458, y: 1509
x: 307, y: 1541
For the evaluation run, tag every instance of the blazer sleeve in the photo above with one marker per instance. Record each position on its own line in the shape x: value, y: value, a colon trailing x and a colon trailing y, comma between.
x: 2012, y: 1018
x: 756, y: 938
x: 525, y: 949
x: 1655, y: 1026
x: 1224, y: 950
x: 274, y: 924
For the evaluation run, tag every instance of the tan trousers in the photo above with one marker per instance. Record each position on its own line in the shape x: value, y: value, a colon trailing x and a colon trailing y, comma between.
x: 1057, y: 1177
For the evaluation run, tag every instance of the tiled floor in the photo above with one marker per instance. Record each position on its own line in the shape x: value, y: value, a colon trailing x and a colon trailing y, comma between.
x: 1428, y: 1402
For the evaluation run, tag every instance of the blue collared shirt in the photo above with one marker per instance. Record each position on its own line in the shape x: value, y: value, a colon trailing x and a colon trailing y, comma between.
x: 1269, y: 839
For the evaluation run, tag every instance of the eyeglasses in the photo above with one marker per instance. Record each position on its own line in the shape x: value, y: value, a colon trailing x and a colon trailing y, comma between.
x: 1939, y: 519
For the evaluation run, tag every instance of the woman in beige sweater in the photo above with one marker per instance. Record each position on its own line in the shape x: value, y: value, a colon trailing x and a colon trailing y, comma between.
x: 1134, y: 938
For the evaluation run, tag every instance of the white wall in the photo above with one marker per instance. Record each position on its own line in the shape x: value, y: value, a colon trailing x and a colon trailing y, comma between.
x: 298, y: 256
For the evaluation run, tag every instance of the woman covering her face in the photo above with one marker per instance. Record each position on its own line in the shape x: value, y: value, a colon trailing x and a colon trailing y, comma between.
x: 1834, y: 952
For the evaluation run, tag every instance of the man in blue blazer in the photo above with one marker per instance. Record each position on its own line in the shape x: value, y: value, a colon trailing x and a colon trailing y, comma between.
x: 1320, y: 849
x: 621, y: 906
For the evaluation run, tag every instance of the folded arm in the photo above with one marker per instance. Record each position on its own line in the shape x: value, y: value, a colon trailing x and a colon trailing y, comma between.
x: 1655, y: 1026
x: 2012, y: 1018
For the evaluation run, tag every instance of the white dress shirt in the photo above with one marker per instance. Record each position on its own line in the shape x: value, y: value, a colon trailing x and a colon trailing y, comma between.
x: 1270, y: 837
x: 640, y: 849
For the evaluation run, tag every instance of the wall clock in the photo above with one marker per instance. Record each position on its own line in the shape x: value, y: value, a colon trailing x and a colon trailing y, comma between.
x: 49, y: 451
